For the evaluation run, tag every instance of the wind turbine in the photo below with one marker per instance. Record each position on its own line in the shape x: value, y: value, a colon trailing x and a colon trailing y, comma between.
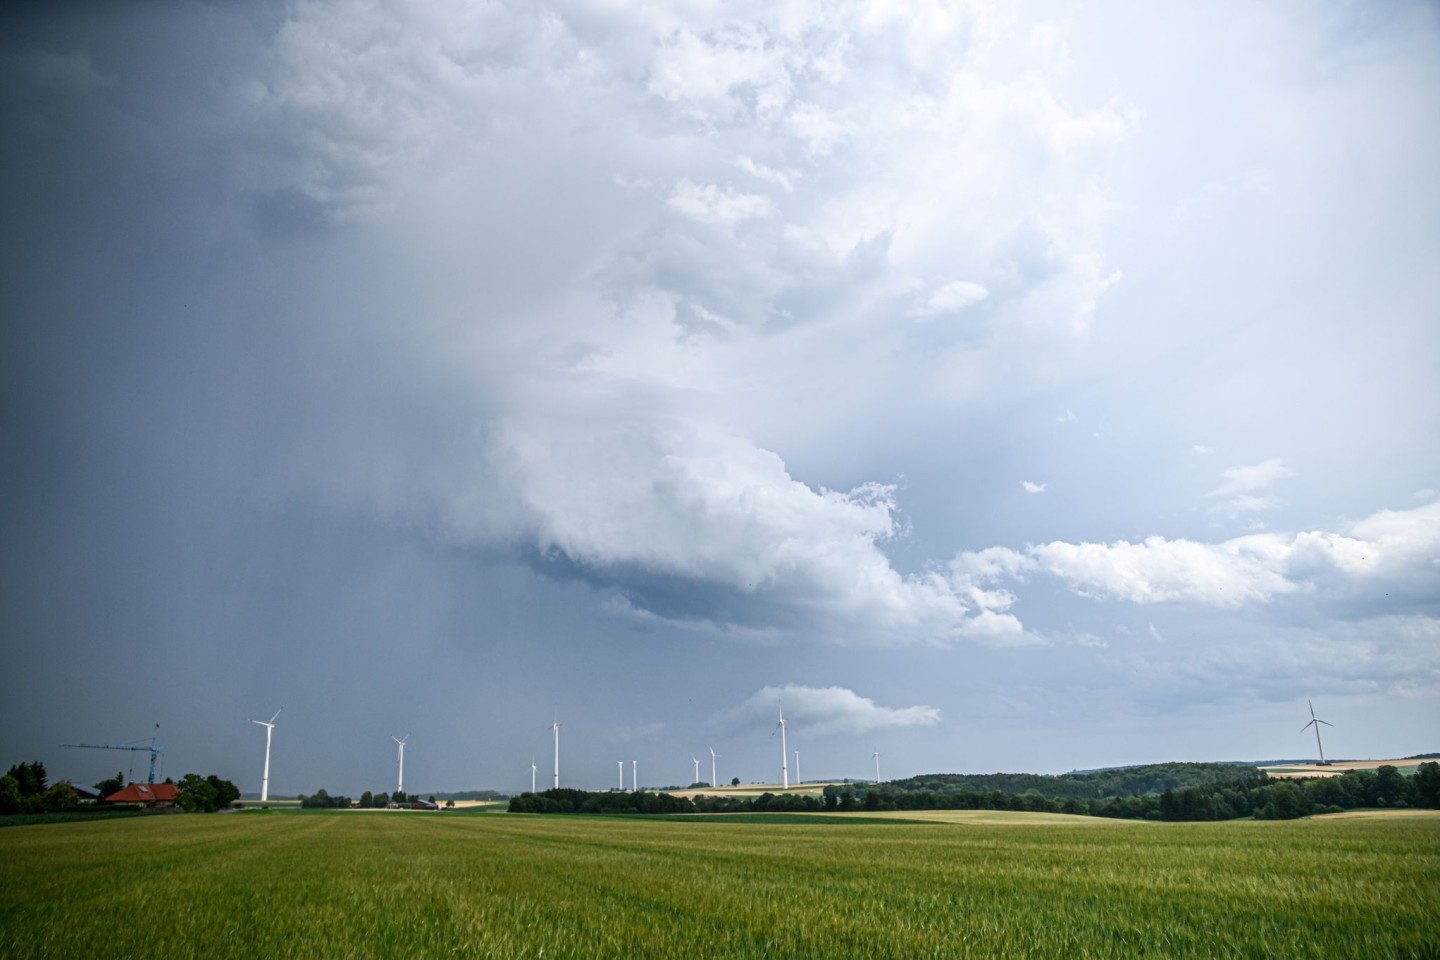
x: 713, y: 781
x: 556, y: 727
x: 532, y: 774
x: 798, y: 781
x: 1315, y: 722
x: 784, y: 753
x: 697, y: 768
x: 635, y: 775
x: 877, y: 766
x: 400, y: 785
x: 621, y: 765
x: 269, y: 726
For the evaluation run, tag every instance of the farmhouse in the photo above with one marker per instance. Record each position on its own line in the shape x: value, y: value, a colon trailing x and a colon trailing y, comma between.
x: 86, y: 794
x: 150, y: 794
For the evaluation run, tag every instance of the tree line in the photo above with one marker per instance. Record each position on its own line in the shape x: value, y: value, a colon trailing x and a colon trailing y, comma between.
x: 25, y: 788
x: 322, y: 800
x: 1248, y: 792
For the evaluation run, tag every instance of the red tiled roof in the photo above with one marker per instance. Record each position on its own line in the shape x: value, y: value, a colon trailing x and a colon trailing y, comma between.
x: 145, y: 793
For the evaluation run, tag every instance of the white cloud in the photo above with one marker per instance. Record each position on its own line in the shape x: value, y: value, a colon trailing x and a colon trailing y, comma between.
x: 1159, y: 570
x: 825, y: 711
x: 1031, y: 487
x: 785, y: 179
x: 709, y: 204
x: 1393, y: 551
x: 703, y: 73
x: 1238, y: 480
x: 951, y: 297
x: 1236, y: 492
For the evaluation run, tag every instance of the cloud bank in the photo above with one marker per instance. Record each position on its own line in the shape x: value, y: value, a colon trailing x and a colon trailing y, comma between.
x: 1393, y: 552
x: 824, y: 712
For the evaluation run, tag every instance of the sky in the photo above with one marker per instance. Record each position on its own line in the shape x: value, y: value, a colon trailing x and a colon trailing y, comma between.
x: 1024, y: 387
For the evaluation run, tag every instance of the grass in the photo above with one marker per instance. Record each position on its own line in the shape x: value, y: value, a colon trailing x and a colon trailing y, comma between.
x: 435, y: 885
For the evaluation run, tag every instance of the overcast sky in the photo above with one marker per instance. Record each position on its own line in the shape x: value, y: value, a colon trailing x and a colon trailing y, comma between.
x: 1001, y: 387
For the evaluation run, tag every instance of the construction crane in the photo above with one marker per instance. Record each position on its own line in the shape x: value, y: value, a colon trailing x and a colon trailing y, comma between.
x: 155, y: 751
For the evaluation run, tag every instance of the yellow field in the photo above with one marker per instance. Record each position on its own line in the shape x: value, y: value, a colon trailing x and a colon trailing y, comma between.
x: 985, y: 817
x: 1382, y: 815
x: 1293, y: 770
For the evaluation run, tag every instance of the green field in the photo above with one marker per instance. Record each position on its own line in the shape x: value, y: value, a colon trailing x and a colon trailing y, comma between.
x: 257, y: 885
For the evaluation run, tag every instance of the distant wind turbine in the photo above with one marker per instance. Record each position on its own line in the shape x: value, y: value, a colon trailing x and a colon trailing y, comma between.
x: 556, y: 727
x: 635, y: 775
x: 269, y: 726
x: 784, y: 753
x: 532, y: 774
x: 713, y: 781
x: 621, y: 765
x: 697, y: 768
x: 877, y: 766
x: 400, y: 784
x: 798, y: 781
x: 1315, y: 722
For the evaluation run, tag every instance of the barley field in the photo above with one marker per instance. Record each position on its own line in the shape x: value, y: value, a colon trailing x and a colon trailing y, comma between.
x: 258, y: 885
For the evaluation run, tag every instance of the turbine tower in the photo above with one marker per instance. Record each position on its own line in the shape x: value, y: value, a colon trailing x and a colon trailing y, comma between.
x: 797, y: 768
x: 621, y: 765
x: 877, y: 766
x: 269, y: 726
x: 400, y: 784
x: 556, y: 727
x: 713, y: 781
x: 532, y: 774
x: 635, y: 775
x: 697, y: 768
x: 784, y: 752
x: 1315, y: 722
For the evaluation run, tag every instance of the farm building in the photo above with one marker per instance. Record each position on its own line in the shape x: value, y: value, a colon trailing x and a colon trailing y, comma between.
x: 150, y: 794
x: 86, y: 794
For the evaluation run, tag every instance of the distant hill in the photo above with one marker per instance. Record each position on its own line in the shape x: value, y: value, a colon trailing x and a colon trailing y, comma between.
x: 1138, y: 781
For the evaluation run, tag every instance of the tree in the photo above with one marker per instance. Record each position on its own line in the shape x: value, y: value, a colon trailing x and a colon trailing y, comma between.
x: 112, y: 784
x: 206, y: 794
x: 9, y: 794
x: 367, y: 800
x: 197, y: 795
x: 734, y: 781
x: 1286, y: 803
x: 1427, y: 785
x: 30, y: 778
x: 1389, y: 787
x: 226, y: 792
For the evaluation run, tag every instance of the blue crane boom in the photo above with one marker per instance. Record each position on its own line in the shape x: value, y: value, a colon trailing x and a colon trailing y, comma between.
x: 155, y: 752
